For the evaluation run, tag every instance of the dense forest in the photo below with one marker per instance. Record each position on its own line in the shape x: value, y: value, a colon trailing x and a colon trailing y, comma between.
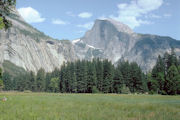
x: 100, y: 76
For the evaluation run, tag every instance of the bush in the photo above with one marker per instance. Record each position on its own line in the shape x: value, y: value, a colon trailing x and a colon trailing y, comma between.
x: 125, y: 90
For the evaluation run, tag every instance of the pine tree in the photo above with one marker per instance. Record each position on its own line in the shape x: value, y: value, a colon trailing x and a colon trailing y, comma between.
x: 179, y: 69
x: 165, y: 74
x: 32, y: 80
x: 55, y: 73
x: 91, y: 77
x: 145, y: 82
x: 118, y: 81
x: 172, y: 80
x: 136, y: 84
x: 81, y: 73
x: 99, y: 74
x: 54, y: 84
x: 161, y: 82
x: 5, y: 9
x: 107, y: 77
x: 68, y: 78
x: 63, y: 78
x: 158, y: 75
x: 48, y: 79
x: 1, y: 81
x: 73, y: 78
x: 7, y: 81
x: 124, y: 67
x: 40, y: 80
x: 152, y: 84
x: 21, y: 82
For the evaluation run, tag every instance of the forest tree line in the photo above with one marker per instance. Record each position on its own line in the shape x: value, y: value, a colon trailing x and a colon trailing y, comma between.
x: 101, y: 76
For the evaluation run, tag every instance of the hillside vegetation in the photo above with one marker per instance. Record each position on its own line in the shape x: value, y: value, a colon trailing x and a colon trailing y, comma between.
x: 98, y: 76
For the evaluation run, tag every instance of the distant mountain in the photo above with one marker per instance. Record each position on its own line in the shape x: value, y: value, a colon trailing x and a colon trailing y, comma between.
x: 26, y: 47
x: 116, y: 41
x: 30, y: 49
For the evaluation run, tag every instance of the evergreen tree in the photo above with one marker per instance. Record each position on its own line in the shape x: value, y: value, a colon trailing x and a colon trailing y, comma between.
x: 179, y: 69
x: 158, y: 75
x: 124, y: 67
x: 81, y: 73
x: 165, y: 75
x: 40, y: 80
x: 99, y: 74
x: 161, y: 83
x: 55, y: 73
x: 1, y: 81
x: 144, y: 82
x: 5, y: 9
x: 48, y: 80
x: 135, y: 84
x: 21, y: 82
x: 54, y: 84
x: 173, y: 79
x: 32, y: 81
x: 62, y: 78
x: 73, y: 82
x: 91, y: 77
x: 67, y: 78
x: 118, y: 81
x: 7, y: 81
x: 108, y: 75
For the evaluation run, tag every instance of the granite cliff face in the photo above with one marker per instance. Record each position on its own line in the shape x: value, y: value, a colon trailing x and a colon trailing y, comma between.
x: 30, y: 49
x: 118, y: 41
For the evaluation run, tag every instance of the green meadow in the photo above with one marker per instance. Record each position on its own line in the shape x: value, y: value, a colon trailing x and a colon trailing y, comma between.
x: 52, y: 106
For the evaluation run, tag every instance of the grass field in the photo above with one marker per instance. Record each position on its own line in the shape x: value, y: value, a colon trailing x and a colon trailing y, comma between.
x: 48, y: 106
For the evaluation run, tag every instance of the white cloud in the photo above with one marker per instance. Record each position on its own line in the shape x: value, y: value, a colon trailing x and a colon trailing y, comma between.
x: 86, y: 25
x: 31, y: 15
x: 154, y: 16
x: 85, y: 15
x: 167, y: 15
x: 59, y: 22
x: 132, y: 13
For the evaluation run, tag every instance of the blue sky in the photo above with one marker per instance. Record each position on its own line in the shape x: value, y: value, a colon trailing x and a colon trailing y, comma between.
x: 70, y: 19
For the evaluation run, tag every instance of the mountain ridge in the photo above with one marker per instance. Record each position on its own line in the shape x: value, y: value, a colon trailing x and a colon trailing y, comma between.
x: 134, y: 47
x: 31, y: 49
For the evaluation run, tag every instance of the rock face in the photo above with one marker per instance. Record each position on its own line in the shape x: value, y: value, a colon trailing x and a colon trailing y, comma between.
x: 87, y: 52
x: 26, y: 47
x: 117, y: 41
x: 30, y: 49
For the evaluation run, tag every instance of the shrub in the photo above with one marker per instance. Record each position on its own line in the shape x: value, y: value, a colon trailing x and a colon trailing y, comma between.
x: 125, y: 90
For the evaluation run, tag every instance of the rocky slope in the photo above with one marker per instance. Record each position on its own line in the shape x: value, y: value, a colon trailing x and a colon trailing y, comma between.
x: 118, y: 41
x: 30, y: 49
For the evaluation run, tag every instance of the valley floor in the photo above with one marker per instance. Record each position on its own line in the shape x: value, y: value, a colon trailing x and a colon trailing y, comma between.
x: 50, y: 106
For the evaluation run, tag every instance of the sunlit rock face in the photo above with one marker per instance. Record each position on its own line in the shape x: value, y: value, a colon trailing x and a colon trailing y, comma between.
x: 29, y: 48
x: 118, y: 41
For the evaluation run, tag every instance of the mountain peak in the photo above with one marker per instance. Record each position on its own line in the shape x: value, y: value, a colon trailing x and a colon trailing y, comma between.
x: 121, y: 27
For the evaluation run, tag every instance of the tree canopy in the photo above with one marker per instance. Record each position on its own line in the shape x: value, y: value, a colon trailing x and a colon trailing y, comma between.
x: 5, y: 9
